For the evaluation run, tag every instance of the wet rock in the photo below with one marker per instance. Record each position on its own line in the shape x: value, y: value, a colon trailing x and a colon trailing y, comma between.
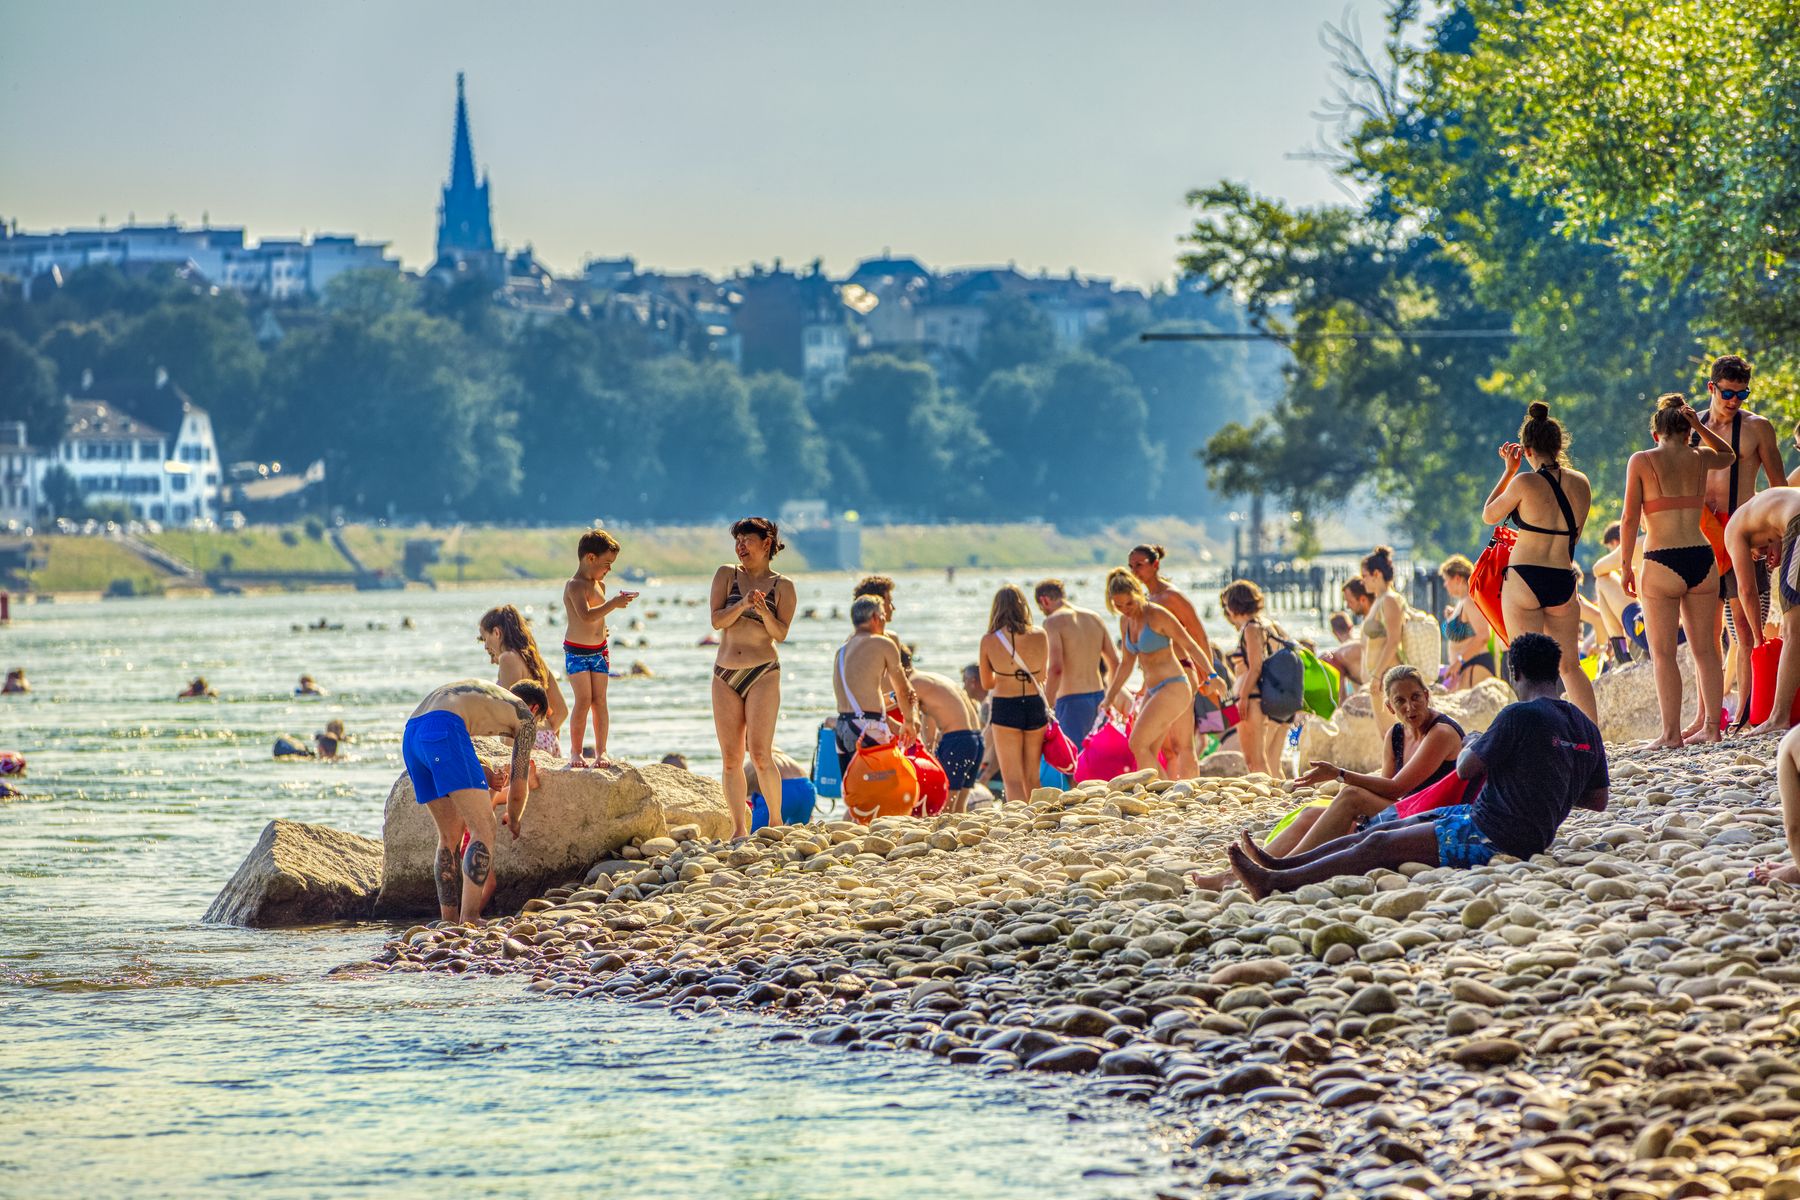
x: 1488, y: 1052
x: 299, y: 874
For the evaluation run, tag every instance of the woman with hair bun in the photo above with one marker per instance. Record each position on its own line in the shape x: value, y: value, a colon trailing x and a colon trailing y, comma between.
x: 1548, y: 505
x: 1383, y: 624
x: 1259, y: 737
x: 752, y: 607
x: 1666, y: 489
x: 509, y: 644
x: 1145, y: 562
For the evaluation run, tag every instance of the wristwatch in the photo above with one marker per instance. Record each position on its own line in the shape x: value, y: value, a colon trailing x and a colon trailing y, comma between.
x: 1341, y: 775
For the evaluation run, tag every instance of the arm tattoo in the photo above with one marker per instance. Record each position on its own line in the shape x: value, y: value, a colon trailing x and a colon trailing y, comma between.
x: 449, y: 881
x: 523, y: 739
x: 475, y: 863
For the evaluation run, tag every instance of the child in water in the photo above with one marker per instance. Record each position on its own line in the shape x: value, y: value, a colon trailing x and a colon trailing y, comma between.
x: 585, y: 655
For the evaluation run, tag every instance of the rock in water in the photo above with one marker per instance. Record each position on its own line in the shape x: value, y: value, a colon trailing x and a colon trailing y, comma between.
x: 301, y: 875
x: 572, y: 820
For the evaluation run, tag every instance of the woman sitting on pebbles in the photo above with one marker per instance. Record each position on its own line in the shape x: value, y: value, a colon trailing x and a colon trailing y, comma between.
x: 1420, y: 751
x: 1151, y: 634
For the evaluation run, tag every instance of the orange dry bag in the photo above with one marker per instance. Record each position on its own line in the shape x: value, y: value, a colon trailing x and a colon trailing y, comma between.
x: 1489, y: 574
x: 1764, y: 661
x: 1713, y: 530
x: 880, y: 782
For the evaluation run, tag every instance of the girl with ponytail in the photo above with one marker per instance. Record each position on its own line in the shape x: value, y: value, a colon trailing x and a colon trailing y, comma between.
x: 507, y: 639
x: 1549, y: 506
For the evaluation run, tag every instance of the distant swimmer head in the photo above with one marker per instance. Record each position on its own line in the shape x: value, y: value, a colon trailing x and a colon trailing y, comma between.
x: 1542, y: 435
x: 1671, y: 416
x: 1241, y: 601
x: 1124, y: 591
x: 1378, y: 569
x: 1146, y: 562
x: 758, y: 540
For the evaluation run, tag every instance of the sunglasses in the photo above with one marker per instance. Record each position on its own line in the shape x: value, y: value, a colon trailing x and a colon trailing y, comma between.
x: 1737, y: 394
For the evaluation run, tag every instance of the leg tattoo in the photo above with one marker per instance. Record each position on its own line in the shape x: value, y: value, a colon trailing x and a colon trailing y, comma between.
x: 449, y: 881
x: 475, y: 863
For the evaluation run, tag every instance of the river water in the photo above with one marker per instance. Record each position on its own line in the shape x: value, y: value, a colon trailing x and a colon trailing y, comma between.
x: 144, y: 1053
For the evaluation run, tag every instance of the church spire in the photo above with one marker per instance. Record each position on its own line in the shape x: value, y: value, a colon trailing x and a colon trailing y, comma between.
x: 465, y: 225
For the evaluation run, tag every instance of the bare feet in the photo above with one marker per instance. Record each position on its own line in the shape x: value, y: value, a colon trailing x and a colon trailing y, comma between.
x: 1256, y: 853
x: 1255, y: 880
x: 1776, y: 871
x: 1693, y: 727
x: 577, y: 763
x: 1772, y: 725
x: 1212, y: 883
x: 1665, y: 743
x: 1705, y: 735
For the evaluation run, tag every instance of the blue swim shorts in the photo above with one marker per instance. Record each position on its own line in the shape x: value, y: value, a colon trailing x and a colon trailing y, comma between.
x: 1077, y: 714
x: 1460, y: 842
x: 577, y: 659
x: 960, y: 754
x: 439, y: 756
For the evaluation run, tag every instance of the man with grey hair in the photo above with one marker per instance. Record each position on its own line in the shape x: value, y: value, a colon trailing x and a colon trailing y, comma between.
x: 867, y: 670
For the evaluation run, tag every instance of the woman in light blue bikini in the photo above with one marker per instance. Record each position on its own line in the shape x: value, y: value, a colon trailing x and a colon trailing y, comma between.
x: 1150, y: 634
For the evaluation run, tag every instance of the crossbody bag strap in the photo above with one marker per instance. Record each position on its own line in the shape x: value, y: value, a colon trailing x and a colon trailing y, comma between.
x: 845, y: 678
x: 1028, y: 671
x: 1568, y: 510
x: 1737, y: 422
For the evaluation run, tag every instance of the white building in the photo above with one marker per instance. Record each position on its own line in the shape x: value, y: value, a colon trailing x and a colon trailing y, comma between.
x: 162, y: 476
x: 273, y: 269
x: 18, y: 493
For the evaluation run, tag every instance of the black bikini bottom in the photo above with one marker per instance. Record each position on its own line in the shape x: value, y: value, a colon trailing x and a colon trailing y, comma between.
x: 1692, y: 563
x: 1484, y: 659
x: 1553, y: 586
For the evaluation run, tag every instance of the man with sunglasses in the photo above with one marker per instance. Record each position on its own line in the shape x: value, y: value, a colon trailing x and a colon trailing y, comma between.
x: 1753, y: 440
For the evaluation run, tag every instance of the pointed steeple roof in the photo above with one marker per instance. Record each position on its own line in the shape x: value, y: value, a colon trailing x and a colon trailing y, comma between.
x: 462, y: 150
x: 465, y: 222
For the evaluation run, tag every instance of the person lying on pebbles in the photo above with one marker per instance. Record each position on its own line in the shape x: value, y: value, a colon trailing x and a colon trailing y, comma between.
x: 1421, y: 751
x: 1541, y: 757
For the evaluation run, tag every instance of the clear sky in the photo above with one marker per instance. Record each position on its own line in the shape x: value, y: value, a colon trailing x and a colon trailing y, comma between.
x: 1052, y: 133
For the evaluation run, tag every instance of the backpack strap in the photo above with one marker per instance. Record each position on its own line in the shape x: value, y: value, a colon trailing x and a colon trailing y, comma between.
x: 1568, y: 510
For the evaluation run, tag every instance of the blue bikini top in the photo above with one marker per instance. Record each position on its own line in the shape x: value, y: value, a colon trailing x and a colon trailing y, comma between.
x: 1147, y: 641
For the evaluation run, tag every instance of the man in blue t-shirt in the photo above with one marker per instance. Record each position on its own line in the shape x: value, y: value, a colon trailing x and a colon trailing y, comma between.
x: 1540, y: 758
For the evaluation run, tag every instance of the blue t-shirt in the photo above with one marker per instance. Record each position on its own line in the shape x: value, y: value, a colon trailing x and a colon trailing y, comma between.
x: 1542, y: 757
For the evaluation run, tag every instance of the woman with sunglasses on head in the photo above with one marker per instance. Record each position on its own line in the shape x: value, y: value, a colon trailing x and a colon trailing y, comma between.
x: 1549, y: 506
x: 1145, y: 563
x: 1666, y: 489
x: 752, y: 607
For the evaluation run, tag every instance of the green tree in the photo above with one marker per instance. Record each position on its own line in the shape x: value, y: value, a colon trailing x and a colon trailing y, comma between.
x: 713, y: 450
x: 1093, y: 429
x: 796, y: 461
x: 406, y: 421
x: 1015, y: 333
x: 77, y: 348
x: 1006, y: 410
x: 28, y: 391
x: 369, y: 294
x: 62, y: 494
x: 208, y: 348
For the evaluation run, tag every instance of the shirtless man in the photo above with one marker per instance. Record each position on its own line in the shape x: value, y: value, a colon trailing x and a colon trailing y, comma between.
x: 1752, y: 439
x: 1768, y: 525
x: 1079, y: 643
x: 867, y: 669
x: 951, y: 725
x: 448, y: 779
x: 1346, y: 656
x: 1609, y: 591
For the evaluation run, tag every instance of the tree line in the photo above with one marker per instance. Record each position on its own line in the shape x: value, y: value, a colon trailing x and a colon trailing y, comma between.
x: 427, y: 401
x: 1613, y: 182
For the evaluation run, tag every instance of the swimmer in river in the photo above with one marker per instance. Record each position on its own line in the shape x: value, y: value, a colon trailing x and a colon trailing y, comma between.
x: 197, y: 689
x: 448, y: 779
x: 307, y: 687
x: 16, y: 683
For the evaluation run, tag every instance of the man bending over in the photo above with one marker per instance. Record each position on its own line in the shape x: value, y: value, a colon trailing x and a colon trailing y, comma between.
x: 448, y: 779
x: 1540, y: 758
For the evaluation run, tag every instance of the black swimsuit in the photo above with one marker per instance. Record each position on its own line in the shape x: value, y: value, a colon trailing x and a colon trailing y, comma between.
x: 1553, y: 586
x: 1398, y: 736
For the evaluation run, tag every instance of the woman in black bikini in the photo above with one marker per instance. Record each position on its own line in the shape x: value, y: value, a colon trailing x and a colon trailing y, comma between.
x: 751, y: 608
x: 1014, y: 657
x: 1667, y: 488
x: 1549, y: 506
x: 1467, y: 631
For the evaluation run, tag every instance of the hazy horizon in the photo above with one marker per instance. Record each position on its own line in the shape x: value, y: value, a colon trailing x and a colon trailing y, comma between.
x: 1051, y: 135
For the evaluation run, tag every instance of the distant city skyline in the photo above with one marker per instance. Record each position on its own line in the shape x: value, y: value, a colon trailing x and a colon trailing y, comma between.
x: 1051, y: 135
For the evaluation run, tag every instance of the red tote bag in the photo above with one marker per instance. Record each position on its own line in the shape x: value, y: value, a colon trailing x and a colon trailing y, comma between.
x: 1489, y: 573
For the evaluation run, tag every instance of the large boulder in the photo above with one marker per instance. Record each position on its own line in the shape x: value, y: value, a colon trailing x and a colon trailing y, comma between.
x: 573, y: 819
x: 301, y: 875
x: 1353, y: 738
x: 1626, y: 698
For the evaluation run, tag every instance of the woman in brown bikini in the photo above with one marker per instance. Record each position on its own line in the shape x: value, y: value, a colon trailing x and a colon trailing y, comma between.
x: 751, y: 609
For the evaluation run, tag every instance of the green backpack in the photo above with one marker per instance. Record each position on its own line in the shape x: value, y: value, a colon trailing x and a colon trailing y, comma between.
x: 1322, y: 684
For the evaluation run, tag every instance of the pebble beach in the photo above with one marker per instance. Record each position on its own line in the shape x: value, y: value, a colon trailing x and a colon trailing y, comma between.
x: 1612, y: 1019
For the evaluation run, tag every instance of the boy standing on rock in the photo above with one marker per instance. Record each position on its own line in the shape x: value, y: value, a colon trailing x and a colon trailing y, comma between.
x: 1540, y: 758
x: 448, y: 778
x: 585, y: 658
